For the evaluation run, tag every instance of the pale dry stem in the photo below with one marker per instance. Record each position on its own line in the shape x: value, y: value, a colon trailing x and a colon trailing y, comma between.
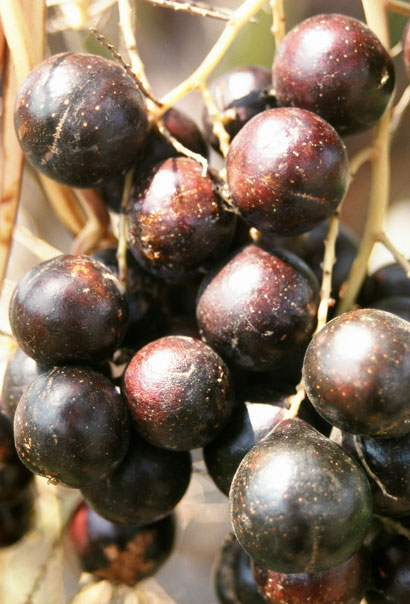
x: 219, y: 129
x: 397, y: 255
x: 198, y: 78
x: 327, y: 269
x: 96, y: 231
x: 398, y: 6
x: 196, y: 8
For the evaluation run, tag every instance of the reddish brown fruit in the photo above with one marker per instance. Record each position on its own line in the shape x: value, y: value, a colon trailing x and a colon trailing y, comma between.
x: 335, y: 66
x: 287, y: 170
x: 179, y: 393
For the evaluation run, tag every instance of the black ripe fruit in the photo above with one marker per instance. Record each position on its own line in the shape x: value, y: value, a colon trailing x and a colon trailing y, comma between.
x: 71, y: 426
x: 287, y: 171
x: 178, y: 392
x: 357, y: 373
x: 119, y: 554
x: 335, y: 66
x: 144, y: 487
x: 298, y: 502
x: 258, y: 310
x: 70, y: 309
x: 80, y: 119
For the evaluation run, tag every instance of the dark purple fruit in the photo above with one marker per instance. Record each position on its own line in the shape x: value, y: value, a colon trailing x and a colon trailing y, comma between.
x: 335, y: 66
x: 344, y: 584
x: 178, y: 225
x: 234, y: 582
x: 406, y: 48
x: 14, y: 477
x: 178, y: 392
x: 388, y: 280
x: 21, y: 370
x: 70, y: 309
x: 287, y: 171
x: 16, y: 518
x: 258, y: 309
x: 146, y: 297
x: 310, y: 247
x: 239, y: 94
x: 71, y: 426
x: 388, y: 460
x: 80, y: 119
x: 145, y: 487
x: 157, y: 149
x: 299, y: 503
x: 251, y: 421
x: 357, y: 373
x: 398, y: 305
x: 119, y: 554
x: 391, y: 568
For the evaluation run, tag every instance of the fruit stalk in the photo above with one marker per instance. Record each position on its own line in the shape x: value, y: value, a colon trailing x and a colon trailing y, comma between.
x: 239, y: 18
x: 376, y: 18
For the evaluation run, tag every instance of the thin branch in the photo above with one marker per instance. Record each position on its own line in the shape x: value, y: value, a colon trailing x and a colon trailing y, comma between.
x: 328, y: 262
x: 393, y: 526
x: 39, y: 247
x: 369, y: 471
x: 122, y: 228
x: 239, y: 18
x: 195, y: 8
x: 363, y: 156
x: 178, y: 146
x: 380, y: 179
x: 278, y: 28
x: 217, y: 120
x: 102, y: 40
x: 398, y: 256
x: 97, y: 226
x: 63, y: 202
x: 398, y: 6
x: 399, y: 109
x: 295, y: 400
x: 127, y: 28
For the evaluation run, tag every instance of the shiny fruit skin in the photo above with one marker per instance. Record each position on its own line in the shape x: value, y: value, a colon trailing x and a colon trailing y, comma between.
x: 357, y: 373
x: 145, y: 487
x: 177, y: 223
x: 116, y: 553
x: 287, y: 171
x: 258, y: 308
x: 250, y: 422
x: 80, y: 119
x: 344, y: 584
x: 178, y: 392
x: 335, y: 66
x: 299, y: 503
x: 71, y: 426
x: 69, y: 309
x: 239, y: 94
x: 20, y: 371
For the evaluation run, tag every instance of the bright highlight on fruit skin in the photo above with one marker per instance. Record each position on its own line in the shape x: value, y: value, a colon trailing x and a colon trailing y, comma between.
x: 200, y: 329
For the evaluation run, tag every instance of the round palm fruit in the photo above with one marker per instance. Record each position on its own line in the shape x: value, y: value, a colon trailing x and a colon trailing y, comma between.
x: 287, y: 170
x: 70, y: 309
x: 179, y: 393
x: 258, y: 309
x: 356, y: 373
x: 299, y: 503
x: 80, y: 119
x: 346, y: 583
x: 116, y: 553
x: 335, y: 66
x: 144, y: 487
x: 178, y: 225
x: 71, y: 426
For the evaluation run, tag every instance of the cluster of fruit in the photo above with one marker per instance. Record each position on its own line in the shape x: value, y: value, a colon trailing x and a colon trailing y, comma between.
x: 216, y: 330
